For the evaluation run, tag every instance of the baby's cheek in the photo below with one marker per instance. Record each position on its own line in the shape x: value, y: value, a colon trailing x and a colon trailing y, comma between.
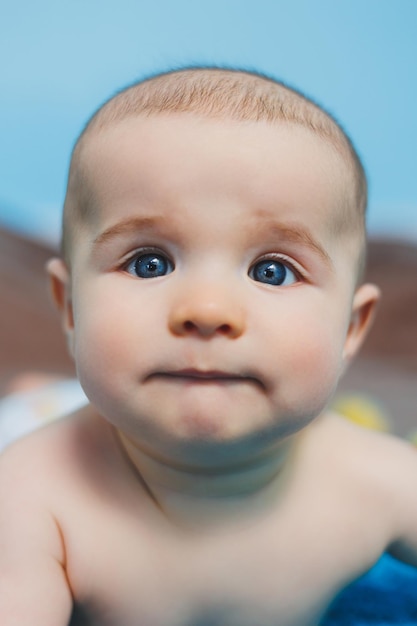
x: 318, y: 361
x: 98, y: 353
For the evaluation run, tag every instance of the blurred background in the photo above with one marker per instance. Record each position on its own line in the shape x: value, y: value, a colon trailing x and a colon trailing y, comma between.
x: 61, y: 59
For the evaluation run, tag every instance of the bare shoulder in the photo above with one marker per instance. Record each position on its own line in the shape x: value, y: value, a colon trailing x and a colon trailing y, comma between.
x: 392, y: 452
x: 34, y: 478
x: 27, y: 470
x: 36, y: 462
x: 382, y: 469
x: 378, y: 458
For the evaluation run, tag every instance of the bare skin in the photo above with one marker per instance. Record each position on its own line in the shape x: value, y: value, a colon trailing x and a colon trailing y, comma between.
x: 277, y: 556
x: 210, y: 309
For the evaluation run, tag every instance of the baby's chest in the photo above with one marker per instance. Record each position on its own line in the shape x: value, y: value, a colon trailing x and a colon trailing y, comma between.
x: 132, y: 578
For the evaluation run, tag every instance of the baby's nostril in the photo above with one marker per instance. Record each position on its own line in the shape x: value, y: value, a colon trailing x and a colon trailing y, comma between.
x: 188, y: 325
x: 224, y: 329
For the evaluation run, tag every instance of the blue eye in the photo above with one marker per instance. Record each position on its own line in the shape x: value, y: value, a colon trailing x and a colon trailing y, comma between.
x: 149, y: 265
x: 272, y: 272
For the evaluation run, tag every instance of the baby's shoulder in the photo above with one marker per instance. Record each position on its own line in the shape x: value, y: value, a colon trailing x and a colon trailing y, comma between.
x: 386, y: 476
x: 47, y: 456
x: 378, y: 454
x: 30, y: 475
x: 375, y: 463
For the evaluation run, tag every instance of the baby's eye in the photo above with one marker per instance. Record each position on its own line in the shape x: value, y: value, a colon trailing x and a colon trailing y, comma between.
x: 273, y: 272
x: 149, y: 265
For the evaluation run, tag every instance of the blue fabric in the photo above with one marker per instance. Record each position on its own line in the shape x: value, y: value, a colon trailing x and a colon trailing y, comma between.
x: 386, y: 595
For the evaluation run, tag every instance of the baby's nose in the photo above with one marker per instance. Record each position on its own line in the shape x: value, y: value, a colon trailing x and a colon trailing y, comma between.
x: 206, y: 313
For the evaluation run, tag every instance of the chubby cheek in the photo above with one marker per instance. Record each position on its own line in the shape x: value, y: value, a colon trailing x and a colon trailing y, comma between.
x: 317, y: 363
x: 107, y: 347
x: 309, y: 361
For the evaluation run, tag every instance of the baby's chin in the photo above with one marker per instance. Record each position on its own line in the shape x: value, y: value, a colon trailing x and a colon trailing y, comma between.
x: 204, y: 447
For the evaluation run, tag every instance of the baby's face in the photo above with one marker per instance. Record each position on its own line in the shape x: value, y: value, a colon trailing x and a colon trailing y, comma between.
x: 211, y: 301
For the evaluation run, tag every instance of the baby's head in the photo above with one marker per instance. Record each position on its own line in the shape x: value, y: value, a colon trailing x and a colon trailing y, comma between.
x: 229, y: 96
x: 214, y: 239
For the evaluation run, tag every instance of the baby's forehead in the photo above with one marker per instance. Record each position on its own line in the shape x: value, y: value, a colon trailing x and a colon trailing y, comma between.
x: 142, y: 145
x: 177, y: 159
x: 110, y: 139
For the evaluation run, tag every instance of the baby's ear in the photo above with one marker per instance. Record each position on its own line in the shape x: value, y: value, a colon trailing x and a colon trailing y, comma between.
x: 364, y: 307
x: 60, y: 284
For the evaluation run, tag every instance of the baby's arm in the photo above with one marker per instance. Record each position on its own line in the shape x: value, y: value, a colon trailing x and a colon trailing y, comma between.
x: 403, y: 509
x: 33, y: 585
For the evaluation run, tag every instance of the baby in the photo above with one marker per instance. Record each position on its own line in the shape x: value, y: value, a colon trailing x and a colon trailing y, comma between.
x: 211, y: 294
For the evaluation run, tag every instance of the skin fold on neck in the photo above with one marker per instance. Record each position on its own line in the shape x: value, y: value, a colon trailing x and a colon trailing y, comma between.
x: 190, y: 495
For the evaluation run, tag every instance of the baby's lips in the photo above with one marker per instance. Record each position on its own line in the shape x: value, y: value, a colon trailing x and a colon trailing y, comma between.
x: 207, y: 375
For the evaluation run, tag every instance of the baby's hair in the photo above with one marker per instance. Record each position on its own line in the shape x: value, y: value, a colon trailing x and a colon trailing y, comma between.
x: 217, y: 93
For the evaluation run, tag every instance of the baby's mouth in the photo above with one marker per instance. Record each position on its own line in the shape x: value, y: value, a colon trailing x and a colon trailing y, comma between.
x: 193, y: 375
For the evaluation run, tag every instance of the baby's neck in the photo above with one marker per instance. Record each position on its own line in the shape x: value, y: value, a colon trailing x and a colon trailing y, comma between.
x: 197, y: 496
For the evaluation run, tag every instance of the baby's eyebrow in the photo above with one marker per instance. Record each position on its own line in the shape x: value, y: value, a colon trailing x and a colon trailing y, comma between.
x: 129, y: 225
x: 295, y: 233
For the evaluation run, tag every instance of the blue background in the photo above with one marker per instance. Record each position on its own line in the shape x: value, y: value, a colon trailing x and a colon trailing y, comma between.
x: 61, y: 59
